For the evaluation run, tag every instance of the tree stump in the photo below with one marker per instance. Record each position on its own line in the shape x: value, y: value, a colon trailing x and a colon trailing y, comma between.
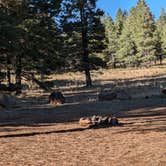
x: 56, y: 98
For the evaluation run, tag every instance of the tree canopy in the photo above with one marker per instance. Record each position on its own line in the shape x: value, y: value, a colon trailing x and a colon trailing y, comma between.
x: 63, y: 35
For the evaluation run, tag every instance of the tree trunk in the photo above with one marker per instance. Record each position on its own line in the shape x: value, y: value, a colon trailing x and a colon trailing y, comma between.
x: 85, y: 57
x: 18, y: 73
x: 8, y: 70
x: 161, y: 59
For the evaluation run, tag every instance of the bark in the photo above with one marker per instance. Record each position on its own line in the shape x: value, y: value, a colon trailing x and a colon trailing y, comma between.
x: 8, y: 71
x: 18, y: 74
x: 85, y: 57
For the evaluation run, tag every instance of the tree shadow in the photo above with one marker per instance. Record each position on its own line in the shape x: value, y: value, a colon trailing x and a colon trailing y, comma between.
x: 57, y: 131
x: 35, y: 112
x: 158, y: 79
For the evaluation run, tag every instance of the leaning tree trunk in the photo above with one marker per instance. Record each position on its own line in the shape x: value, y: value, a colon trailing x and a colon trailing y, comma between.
x: 18, y: 73
x: 85, y: 57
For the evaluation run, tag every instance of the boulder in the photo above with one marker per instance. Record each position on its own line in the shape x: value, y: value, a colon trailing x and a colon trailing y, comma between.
x: 112, y: 95
x: 113, y: 121
x: 97, y: 121
x: 56, y: 98
x: 107, y: 96
x: 105, y: 120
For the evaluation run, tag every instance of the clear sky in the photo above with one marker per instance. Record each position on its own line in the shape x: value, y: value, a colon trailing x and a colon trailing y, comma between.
x: 111, y: 6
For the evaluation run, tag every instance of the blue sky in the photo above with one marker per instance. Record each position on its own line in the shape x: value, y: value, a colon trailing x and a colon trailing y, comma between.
x: 111, y: 6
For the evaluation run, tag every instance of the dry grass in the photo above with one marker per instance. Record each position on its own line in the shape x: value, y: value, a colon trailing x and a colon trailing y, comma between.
x: 37, y: 134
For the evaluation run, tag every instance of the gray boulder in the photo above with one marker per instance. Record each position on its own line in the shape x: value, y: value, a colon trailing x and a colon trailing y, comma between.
x: 112, y: 95
x: 107, y: 96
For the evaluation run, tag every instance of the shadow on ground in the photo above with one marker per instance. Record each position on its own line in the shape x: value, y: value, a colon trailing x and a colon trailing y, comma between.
x: 35, y: 112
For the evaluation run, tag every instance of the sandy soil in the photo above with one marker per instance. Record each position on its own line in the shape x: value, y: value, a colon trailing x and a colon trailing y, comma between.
x: 37, y: 134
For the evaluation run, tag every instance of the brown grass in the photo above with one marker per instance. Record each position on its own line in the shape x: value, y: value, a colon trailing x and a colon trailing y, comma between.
x: 37, y: 134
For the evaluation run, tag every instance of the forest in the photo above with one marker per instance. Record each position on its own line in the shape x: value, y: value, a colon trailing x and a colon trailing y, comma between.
x: 43, y: 37
x: 80, y: 87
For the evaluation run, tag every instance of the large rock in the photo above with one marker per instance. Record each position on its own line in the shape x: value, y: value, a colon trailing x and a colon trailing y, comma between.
x: 113, y: 121
x: 107, y: 96
x: 99, y: 121
x: 112, y: 95
x: 96, y: 120
x: 7, y: 101
x: 56, y: 98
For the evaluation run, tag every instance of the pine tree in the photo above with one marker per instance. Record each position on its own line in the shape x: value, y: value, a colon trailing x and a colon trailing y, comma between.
x: 159, y: 49
x: 145, y: 40
x: 161, y: 35
x: 110, y: 41
x: 113, y: 31
x: 119, y: 21
x: 11, y: 33
x: 127, y: 51
x: 81, y: 20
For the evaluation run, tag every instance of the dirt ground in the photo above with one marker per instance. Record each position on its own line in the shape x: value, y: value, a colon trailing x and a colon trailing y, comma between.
x: 37, y: 134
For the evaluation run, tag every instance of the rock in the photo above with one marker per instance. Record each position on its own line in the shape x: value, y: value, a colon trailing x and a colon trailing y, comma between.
x: 105, y: 120
x: 107, y: 96
x: 113, y: 121
x: 122, y: 95
x: 112, y: 95
x: 7, y: 101
x: 85, y: 121
x: 56, y: 98
x: 97, y: 121
x: 146, y: 97
x: 93, y: 118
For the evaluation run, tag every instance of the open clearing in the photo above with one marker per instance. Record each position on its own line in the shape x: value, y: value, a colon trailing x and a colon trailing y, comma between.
x: 37, y: 134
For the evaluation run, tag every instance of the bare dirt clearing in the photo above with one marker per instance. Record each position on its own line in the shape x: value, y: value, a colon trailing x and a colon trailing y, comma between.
x: 35, y: 133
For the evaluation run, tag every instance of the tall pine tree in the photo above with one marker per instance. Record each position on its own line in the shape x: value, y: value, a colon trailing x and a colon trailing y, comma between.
x: 145, y: 40
x: 81, y: 19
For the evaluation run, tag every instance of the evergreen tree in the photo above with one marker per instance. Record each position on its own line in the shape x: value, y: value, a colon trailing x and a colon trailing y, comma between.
x: 11, y: 16
x: 145, y: 40
x: 81, y: 19
x: 29, y: 33
x: 127, y: 51
x: 161, y: 35
x: 113, y: 32
x: 110, y: 41
x: 159, y: 49
x: 119, y: 21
